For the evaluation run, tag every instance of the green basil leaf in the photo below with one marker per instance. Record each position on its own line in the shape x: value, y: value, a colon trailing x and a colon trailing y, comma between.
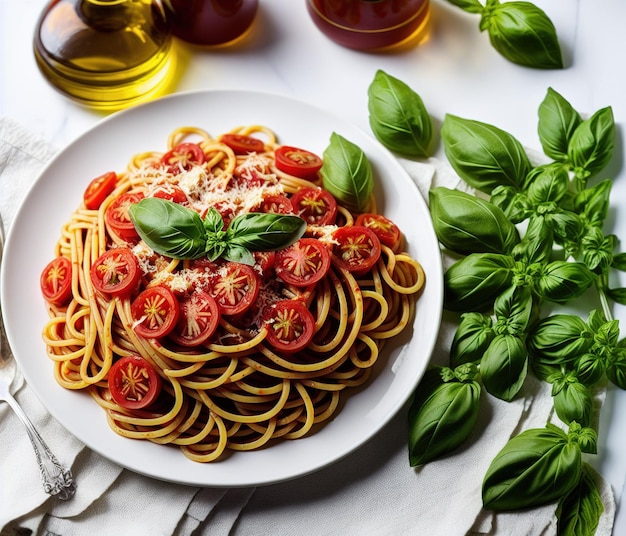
x: 536, y: 467
x: 471, y: 6
x: 474, y: 282
x: 619, y: 262
x: 607, y: 335
x: 465, y: 223
x: 398, y: 117
x: 169, y: 228
x: 513, y: 203
x: 237, y: 253
x: 590, y: 369
x: 592, y: 143
x: 545, y: 183
x: 562, y: 281
x: 504, y: 366
x: 536, y: 246
x: 618, y: 295
x: 593, y: 203
x: 616, y: 368
x: 557, y: 122
x: 578, y: 513
x: 471, y: 338
x: 347, y: 174
x: 559, y: 339
x: 483, y: 155
x: 567, y: 228
x: 514, y: 310
x: 523, y: 34
x: 442, y: 419
x: 213, y: 222
x: 259, y: 231
x: 597, y: 250
x: 574, y: 403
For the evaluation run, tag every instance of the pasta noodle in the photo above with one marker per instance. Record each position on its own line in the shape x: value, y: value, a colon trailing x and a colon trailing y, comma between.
x: 236, y: 391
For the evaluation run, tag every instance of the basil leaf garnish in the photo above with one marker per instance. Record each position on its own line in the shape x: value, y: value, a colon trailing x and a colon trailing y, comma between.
x: 398, y: 117
x: 471, y: 6
x: 504, y: 366
x: 169, y: 228
x: 483, y: 155
x: 347, y: 174
x: 471, y: 338
x: 580, y: 510
x: 522, y: 33
x: 557, y: 122
x: 178, y: 232
x: 573, y: 402
x: 562, y: 281
x: 559, y: 339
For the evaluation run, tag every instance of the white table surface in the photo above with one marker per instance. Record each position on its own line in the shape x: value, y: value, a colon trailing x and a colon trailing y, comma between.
x: 456, y: 71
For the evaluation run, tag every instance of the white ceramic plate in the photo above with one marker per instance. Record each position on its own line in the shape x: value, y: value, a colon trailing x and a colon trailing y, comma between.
x: 109, y: 146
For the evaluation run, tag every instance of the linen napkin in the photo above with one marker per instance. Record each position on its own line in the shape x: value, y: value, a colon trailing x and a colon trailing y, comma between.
x: 372, y: 491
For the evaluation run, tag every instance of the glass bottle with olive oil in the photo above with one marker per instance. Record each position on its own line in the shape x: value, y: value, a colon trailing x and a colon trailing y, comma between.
x: 105, y: 54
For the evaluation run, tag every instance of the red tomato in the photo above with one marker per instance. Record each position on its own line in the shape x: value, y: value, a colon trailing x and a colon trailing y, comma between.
x: 298, y: 162
x: 357, y: 248
x: 386, y: 231
x: 133, y: 382
x: 171, y: 192
x: 264, y: 262
x: 155, y: 312
x: 303, y: 263
x: 235, y: 288
x: 56, y: 281
x: 118, y: 219
x: 276, y: 204
x: 98, y: 190
x: 116, y: 272
x: 315, y: 206
x: 242, y: 144
x: 199, y: 319
x: 183, y: 157
x: 290, y: 325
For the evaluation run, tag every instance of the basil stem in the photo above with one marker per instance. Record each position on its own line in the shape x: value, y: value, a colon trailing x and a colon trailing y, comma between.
x: 347, y: 174
x: 398, y: 117
x: 178, y: 232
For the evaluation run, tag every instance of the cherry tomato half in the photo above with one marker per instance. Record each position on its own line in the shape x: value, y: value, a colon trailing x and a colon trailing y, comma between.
x: 155, y: 312
x: 116, y: 272
x: 303, y: 263
x: 236, y: 288
x: 386, y: 231
x: 199, y: 319
x: 133, y: 382
x: 357, y: 248
x: 298, y: 162
x: 118, y: 219
x: 172, y: 193
x: 56, y: 281
x: 276, y: 204
x: 290, y: 325
x: 98, y: 190
x: 183, y: 157
x: 315, y: 206
x: 242, y: 144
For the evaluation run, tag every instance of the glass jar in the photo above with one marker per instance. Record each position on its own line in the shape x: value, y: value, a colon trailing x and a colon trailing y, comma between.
x: 105, y: 54
x: 371, y: 24
x: 210, y: 22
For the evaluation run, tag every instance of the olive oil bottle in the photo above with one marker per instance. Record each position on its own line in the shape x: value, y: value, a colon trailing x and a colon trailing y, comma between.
x: 105, y: 54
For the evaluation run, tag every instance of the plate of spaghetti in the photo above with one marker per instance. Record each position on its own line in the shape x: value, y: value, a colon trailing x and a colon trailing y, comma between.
x: 223, y: 288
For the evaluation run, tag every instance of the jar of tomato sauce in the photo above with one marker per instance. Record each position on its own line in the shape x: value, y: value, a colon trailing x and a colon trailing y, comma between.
x: 210, y: 22
x: 371, y: 24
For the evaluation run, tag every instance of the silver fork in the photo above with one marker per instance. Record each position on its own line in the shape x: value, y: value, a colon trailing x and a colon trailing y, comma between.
x: 56, y: 479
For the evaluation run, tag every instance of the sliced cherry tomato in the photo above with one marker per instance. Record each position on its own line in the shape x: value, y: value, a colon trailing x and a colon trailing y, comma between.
x: 98, y: 190
x: 298, y: 162
x: 303, y: 263
x: 116, y: 272
x: 276, y: 204
x: 133, y: 382
x: 264, y: 262
x: 315, y: 206
x: 290, y: 325
x: 357, y: 248
x: 56, y: 281
x: 155, y: 312
x: 242, y: 144
x: 386, y: 231
x: 199, y: 319
x: 183, y: 157
x: 118, y: 219
x: 171, y: 192
x: 235, y: 288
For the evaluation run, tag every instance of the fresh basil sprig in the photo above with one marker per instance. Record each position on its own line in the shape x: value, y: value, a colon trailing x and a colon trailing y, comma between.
x: 178, y: 232
x: 398, y: 117
x: 347, y: 173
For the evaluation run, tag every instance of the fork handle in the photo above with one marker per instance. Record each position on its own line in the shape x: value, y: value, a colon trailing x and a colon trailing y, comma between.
x: 56, y: 479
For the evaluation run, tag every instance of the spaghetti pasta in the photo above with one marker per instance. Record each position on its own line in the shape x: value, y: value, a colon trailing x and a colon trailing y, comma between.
x: 252, y: 380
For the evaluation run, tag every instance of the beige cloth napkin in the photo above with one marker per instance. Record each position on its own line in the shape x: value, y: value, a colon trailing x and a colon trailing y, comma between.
x: 372, y: 491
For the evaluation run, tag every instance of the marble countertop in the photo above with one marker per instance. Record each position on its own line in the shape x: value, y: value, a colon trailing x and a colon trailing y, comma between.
x: 455, y: 71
